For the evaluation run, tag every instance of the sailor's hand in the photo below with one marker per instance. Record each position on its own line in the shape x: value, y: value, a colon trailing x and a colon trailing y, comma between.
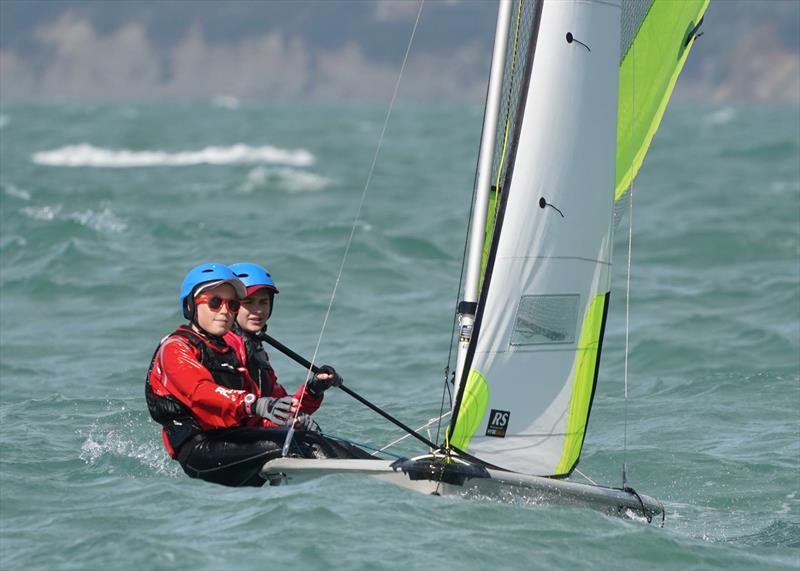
x: 325, y: 379
x: 305, y: 422
x: 276, y: 410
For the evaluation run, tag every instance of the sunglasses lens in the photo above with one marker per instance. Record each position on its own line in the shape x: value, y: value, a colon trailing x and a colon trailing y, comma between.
x: 215, y: 303
x: 234, y: 305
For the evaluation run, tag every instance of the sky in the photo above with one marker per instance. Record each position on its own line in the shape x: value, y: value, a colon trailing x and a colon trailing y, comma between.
x: 335, y: 50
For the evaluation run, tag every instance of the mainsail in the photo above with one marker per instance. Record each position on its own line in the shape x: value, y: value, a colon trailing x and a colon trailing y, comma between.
x: 587, y: 83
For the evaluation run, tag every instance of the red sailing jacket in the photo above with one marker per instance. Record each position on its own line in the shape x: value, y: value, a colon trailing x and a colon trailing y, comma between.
x: 214, y: 400
x: 309, y: 404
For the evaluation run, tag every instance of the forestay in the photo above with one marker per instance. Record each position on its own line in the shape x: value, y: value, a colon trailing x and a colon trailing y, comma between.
x: 524, y: 395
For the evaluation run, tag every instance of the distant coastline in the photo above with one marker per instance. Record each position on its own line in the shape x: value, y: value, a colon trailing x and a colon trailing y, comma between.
x: 267, y: 52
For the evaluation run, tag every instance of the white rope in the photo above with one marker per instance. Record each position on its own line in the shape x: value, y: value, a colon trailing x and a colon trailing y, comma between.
x: 587, y: 477
x: 290, y: 433
x: 426, y: 425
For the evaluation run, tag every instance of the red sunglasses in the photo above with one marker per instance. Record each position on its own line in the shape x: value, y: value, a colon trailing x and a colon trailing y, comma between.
x: 215, y: 303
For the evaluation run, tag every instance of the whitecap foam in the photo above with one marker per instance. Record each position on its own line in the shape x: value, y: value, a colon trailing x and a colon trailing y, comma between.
x: 122, y: 441
x: 225, y: 102
x: 85, y: 155
x: 16, y: 192
x: 786, y: 507
x: 46, y: 213
x: 119, y: 444
x: 101, y: 221
x: 720, y: 116
x: 4, y: 121
x: 289, y: 179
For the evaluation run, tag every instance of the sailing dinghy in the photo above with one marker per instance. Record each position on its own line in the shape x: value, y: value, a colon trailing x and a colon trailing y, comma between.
x: 576, y: 92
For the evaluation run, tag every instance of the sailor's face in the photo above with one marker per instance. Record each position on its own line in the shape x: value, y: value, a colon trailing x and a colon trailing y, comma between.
x: 255, y: 311
x: 216, y: 321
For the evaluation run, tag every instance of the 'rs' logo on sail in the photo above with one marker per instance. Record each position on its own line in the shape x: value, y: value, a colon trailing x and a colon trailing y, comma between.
x: 498, y: 422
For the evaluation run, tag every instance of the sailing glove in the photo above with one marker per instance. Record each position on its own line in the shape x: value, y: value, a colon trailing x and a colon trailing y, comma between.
x: 317, y: 386
x: 305, y: 422
x: 276, y: 410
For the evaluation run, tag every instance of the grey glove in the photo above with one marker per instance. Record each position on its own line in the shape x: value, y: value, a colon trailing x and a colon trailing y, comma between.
x: 275, y: 410
x: 317, y: 386
x: 305, y: 422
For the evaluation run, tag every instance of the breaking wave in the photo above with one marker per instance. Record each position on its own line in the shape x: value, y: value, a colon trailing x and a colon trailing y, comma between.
x: 85, y: 155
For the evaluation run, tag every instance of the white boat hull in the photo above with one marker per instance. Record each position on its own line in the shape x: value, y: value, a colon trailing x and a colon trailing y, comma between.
x: 494, y: 485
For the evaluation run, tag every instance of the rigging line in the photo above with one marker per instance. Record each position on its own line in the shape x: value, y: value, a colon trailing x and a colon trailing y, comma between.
x: 426, y: 425
x: 587, y: 477
x: 628, y: 281
x: 445, y: 389
x: 290, y: 433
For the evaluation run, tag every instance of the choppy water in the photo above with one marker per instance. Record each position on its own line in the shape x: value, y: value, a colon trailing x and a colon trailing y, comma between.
x: 105, y: 207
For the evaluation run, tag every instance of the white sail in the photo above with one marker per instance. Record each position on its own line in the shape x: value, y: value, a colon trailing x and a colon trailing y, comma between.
x: 592, y: 83
x: 546, y: 283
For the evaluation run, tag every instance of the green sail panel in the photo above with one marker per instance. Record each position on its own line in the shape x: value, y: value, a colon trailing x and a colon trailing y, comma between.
x: 587, y: 364
x: 473, y: 408
x: 651, y: 63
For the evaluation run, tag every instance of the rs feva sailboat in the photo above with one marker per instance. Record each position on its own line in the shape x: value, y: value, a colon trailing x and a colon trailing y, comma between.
x: 576, y: 93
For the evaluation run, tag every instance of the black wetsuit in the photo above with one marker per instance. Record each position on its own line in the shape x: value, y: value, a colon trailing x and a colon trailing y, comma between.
x: 235, y: 456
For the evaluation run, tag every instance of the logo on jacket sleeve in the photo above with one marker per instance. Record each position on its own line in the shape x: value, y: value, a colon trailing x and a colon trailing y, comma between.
x: 231, y: 394
x: 498, y: 423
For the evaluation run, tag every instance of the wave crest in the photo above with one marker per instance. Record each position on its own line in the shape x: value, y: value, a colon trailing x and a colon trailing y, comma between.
x: 85, y: 155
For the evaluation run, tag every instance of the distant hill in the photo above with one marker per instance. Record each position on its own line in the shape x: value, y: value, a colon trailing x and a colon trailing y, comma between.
x: 324, y: 50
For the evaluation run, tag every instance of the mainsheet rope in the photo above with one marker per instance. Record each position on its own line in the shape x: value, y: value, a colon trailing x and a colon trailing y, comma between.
x: 290, y: 432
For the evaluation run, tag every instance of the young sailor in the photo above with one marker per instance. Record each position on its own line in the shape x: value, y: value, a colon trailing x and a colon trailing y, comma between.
x: 251, y: 321
x: 214, y: 416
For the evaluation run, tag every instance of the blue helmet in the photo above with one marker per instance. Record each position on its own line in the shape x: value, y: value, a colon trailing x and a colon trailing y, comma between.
x: 254, y: 277
x: 211, y: 273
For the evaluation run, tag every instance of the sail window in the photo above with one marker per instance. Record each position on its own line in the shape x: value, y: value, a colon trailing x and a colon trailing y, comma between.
x: 545, y: 320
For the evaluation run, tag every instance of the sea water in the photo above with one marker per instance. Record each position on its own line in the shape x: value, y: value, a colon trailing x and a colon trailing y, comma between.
x: 105, y: 207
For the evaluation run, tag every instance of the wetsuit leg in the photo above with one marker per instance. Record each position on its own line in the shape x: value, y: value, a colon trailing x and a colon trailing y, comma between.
x: 235, y: 456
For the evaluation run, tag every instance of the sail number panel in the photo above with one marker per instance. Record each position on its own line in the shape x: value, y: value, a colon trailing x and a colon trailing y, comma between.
x: 546, y: 320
